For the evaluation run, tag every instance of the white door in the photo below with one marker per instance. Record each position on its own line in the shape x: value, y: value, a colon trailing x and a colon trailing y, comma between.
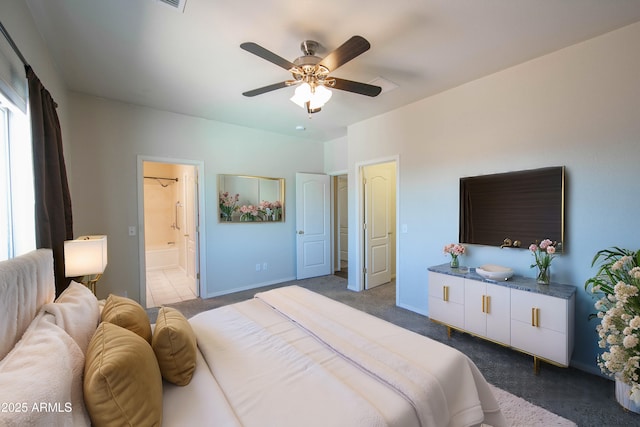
x: 313, y: 233
x: 377, y: 206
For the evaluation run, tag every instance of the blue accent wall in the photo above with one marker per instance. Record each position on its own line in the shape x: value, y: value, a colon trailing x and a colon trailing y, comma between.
x: 578, y: 107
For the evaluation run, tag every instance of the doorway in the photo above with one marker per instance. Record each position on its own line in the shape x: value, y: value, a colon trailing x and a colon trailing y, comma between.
x: 170, y: 238
x: 341, y: 226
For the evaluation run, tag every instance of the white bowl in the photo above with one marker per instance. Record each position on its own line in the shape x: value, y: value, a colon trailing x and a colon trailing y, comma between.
x: 494, y: 272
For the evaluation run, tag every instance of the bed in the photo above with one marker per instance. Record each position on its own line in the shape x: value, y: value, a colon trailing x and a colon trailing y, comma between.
x: 287, y: 357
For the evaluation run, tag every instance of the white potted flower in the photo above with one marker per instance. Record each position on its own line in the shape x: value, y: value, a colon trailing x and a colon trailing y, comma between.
x: 617, y: 284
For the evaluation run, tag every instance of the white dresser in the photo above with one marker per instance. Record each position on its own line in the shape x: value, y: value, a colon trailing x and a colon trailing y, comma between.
x: 518, y: 313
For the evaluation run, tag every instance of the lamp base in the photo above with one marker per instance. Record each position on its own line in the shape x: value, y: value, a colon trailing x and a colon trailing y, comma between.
x: 89, y: 281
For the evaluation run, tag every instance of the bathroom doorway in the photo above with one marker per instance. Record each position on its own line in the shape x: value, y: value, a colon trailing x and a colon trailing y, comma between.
x: 170, y: 218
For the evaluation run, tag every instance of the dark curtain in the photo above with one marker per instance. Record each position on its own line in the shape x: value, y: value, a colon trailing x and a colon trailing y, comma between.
x: 54, y: 222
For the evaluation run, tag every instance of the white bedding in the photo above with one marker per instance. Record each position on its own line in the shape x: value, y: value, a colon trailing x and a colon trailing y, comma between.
x: 291, y: 357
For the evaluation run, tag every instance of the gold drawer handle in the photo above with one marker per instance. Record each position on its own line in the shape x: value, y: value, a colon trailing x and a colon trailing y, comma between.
x: 445, y: 293
x: 535, y: 317
x: 485, y: 303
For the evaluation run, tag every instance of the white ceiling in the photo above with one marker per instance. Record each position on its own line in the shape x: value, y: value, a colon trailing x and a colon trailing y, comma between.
x: 145, y: 52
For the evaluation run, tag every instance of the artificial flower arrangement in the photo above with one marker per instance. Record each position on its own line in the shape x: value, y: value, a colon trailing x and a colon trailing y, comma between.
x: 271, y: 210
x: 455, y: 250
x: 617, y: 284
x: 543, y: 255
x: 228, y: 204
x: 250, y: 213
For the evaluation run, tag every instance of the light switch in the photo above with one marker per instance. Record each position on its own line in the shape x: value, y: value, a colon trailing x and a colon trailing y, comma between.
x: 132, y: 230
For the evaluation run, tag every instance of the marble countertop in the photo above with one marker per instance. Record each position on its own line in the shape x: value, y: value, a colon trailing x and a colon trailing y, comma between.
x: 522, y: 283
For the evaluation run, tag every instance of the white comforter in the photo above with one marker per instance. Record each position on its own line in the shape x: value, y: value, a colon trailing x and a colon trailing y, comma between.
x: 291, y: 357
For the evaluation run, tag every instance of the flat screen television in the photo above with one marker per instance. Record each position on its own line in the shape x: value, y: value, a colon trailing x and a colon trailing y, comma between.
x: 519, y: 207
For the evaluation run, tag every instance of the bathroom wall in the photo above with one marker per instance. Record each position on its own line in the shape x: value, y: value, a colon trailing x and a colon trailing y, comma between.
x: 160, y: 198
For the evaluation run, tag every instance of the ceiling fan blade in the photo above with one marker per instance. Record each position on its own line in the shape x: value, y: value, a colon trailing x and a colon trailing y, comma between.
x: 356, y: 87
x: 353, y: 47
x: 266, y: 89
x: 263, y: 53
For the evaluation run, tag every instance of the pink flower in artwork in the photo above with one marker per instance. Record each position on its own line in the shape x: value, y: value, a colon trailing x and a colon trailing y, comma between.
x: 228, y: 204
x: 265, y: 205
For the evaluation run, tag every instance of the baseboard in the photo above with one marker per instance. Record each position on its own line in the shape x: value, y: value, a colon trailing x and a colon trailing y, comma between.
x: 590, y: 369
x: 412, y: 308
x: 248, y: 287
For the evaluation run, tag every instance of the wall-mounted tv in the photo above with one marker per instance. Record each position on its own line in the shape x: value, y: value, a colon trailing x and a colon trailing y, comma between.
x: 514, y: 208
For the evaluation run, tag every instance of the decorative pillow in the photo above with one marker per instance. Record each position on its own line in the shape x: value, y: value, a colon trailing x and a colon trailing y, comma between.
x: 41, y: 378
x: 122, y: 381
x: 128, y: 314
x: 174, y: 344
x: 76, y: 311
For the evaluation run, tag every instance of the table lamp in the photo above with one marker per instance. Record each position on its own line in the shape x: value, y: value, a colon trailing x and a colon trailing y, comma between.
x: 86, y: 258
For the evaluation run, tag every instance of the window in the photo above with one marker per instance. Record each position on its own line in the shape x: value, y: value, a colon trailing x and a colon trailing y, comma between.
x: 17, y: 216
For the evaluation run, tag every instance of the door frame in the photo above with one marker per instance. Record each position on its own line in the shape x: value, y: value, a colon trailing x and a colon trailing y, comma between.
x: 356, y: 275
x: 200, y: 226
x: 336, y: 249
x: 333, y: 176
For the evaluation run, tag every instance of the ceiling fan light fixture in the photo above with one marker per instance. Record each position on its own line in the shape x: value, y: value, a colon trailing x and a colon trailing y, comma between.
x: 310, y: 98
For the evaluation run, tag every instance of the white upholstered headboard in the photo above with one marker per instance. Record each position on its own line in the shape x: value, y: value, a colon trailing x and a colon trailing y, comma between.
x: 26, y: 283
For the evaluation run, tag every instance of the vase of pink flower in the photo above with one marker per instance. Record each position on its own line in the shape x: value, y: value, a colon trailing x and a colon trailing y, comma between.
x: 543, y: 255
x: 455, y: 250
x: 249, y: 213
x: 228, y: 204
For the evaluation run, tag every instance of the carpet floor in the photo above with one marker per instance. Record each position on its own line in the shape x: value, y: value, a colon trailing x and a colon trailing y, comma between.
x: 585, y: 399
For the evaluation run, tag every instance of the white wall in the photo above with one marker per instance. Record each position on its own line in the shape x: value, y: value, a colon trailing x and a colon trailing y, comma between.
x: 578, y: 107
x: 335, y: 156
x: 107, y: 138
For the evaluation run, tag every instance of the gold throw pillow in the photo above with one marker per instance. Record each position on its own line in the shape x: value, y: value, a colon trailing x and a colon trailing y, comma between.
x: 174, y: 344
x: 128, y: 314
x: 122, y: 380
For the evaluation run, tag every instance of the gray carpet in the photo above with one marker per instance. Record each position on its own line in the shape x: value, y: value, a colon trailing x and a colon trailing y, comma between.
x: 587, y: 400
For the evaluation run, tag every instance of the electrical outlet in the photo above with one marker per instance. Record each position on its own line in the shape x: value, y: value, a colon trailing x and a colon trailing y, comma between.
x: 257, y: 267
x: 264, y: 266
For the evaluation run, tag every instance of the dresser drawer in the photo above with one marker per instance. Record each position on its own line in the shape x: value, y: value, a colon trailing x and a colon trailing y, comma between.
x: 546, y: 343
x: 545, y: 311
x: 447, y: 288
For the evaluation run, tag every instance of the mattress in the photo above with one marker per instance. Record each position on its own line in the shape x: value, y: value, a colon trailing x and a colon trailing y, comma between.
x: 291, y: 357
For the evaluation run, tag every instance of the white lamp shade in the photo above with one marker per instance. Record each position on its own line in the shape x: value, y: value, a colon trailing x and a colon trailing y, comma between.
x: 319, y: 97
x: 301, y: 94
x: 316, y: 99
x: 85, y: 255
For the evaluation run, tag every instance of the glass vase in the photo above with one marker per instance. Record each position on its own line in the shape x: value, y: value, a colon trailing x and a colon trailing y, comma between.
x: 544, y: 275
x: 455, y: 263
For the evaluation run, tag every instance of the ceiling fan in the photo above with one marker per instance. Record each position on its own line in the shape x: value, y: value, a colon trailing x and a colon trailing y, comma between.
x: 311, y: 73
